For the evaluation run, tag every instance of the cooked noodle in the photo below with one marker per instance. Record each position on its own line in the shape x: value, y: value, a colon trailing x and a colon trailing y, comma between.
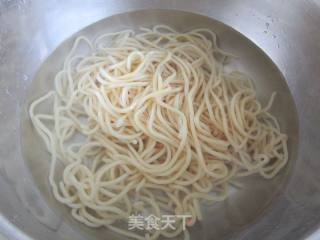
x: 152, y: 121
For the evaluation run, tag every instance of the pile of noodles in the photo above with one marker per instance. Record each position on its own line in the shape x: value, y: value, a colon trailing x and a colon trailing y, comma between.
x: 151, y: 121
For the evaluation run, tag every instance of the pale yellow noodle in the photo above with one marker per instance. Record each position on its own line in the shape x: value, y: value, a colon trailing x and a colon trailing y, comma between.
x: 150, y: 121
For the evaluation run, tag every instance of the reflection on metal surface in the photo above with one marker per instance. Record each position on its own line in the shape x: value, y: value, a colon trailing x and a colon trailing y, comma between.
x: 31, y: 29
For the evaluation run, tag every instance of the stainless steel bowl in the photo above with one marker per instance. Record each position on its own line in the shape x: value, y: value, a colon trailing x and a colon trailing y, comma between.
x: 287, y: 207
